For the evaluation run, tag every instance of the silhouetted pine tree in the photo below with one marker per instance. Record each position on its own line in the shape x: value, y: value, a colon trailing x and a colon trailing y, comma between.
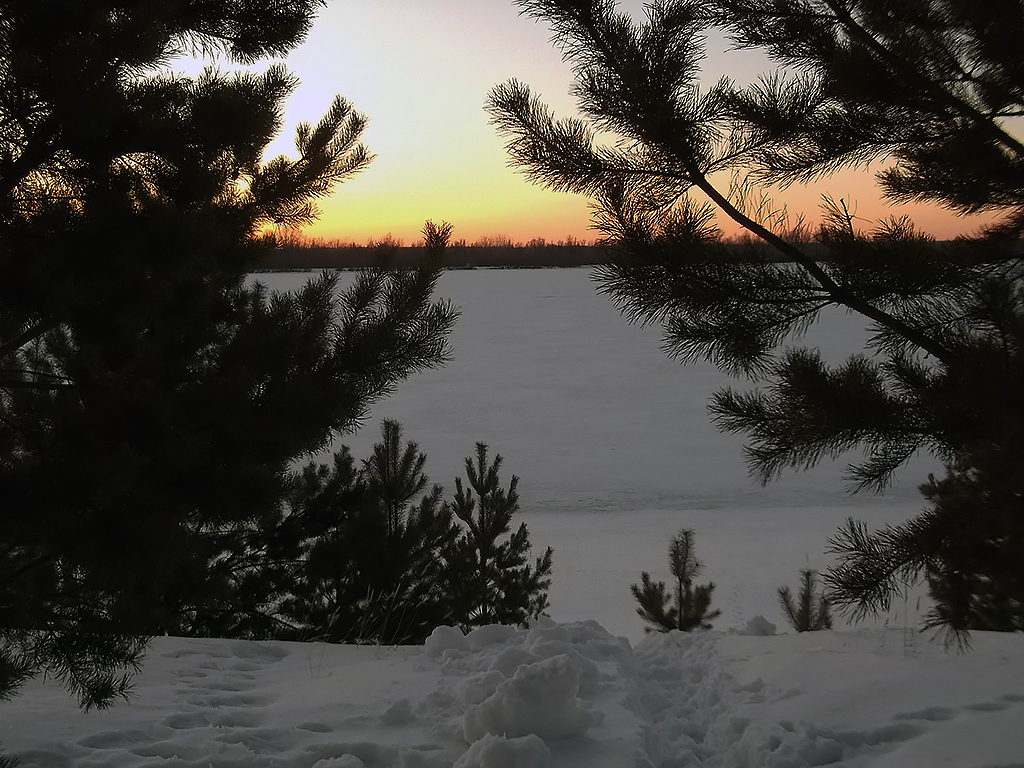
x: 686, y: 607
x: 405, y: 600
x: 968, y: 545
x: 810, y: 611
x: 370, y: 567
x: 935, y: 87
x: 318, y: 514
x: 265, y: 566
x: 152, y: 398
x: 489, y: 580
x: 971, y: 541
x: 377, y: 557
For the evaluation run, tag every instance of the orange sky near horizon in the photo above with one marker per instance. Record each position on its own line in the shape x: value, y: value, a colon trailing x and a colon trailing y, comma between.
x: 421, y: 72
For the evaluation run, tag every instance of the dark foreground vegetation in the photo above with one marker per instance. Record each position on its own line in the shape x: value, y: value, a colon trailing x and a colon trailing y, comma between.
x: 152, y: 403
x: 370, y: 552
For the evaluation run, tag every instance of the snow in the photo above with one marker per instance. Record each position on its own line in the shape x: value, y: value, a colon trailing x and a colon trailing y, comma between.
x: 615, y: 454
x: 555, y: 695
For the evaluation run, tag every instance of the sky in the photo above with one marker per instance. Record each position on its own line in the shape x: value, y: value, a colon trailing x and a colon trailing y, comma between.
x: 422, y: 71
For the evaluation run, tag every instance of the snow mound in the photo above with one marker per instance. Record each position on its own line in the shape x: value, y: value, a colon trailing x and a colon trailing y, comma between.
x: 538, y: 699
x: 759, y: 626
x: 445, y: 639
x: 500, y: 752
x: 518, y: 691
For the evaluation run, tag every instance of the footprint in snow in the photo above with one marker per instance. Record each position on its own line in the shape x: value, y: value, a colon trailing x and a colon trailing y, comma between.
x: 219, y: 688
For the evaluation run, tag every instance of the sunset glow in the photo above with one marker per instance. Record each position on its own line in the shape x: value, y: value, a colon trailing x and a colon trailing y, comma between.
x: 421, y: 72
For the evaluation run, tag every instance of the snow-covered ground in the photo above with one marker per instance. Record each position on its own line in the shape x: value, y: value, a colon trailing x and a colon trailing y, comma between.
x: 567, y: 695
x: 615, y: 454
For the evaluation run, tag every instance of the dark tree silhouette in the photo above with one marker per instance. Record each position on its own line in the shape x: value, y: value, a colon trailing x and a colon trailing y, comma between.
x: 931, y: 86
x: 489, y: 580
x: 152, y: 397
x: 967, y: 545
x: 686, y: 607
x: 371, y: 565
x: 377, y: 556
x: 810, y: 611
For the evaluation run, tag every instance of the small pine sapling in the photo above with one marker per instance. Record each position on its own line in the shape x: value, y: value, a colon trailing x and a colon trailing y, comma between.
x: 490, y: 581
x: 372, y: 568
x: 811, y: 611
x: 395, y: 476
x: 691, y: 604
x: 402, y: 562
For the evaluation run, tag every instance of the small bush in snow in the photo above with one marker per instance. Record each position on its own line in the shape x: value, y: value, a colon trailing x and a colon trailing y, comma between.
x: 689, y: 604
x: 810, y: 612
x: 381, y: 558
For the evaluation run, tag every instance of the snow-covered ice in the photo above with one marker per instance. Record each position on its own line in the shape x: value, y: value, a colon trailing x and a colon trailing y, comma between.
x: 614, y: 449
x: 615, y: 453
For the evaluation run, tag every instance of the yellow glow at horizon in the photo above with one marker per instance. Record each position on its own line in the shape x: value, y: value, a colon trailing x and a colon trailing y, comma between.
x: 421, y: 72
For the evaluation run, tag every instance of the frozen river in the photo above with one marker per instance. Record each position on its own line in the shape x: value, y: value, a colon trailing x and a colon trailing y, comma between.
x: 614, y: 449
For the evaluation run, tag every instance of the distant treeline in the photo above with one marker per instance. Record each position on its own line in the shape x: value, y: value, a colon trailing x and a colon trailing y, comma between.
x: 300, y: 256
x: 305, y: 256
x: 458, y: 256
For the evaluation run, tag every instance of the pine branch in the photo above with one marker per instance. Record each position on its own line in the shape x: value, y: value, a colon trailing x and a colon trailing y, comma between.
x: 924, y: 84
x: 28, y: 335
x: 837, y: 293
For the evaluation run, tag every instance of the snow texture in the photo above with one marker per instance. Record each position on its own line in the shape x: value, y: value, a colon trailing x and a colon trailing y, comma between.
x: 551, y: 696
x: 491, y: 751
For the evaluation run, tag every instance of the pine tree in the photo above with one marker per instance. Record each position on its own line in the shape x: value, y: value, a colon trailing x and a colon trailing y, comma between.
x: 406, y: 600
x: 376, y: 556
x: 292, y: 556
x: 932, y: 87
x: 970, y: 542
x: 373, y: 547
x: 314, y: 579
x: 968, y: 545
x: 686, y: 608
x: 810, y: 612
x: 152, y: 398
x: 489, y: 580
